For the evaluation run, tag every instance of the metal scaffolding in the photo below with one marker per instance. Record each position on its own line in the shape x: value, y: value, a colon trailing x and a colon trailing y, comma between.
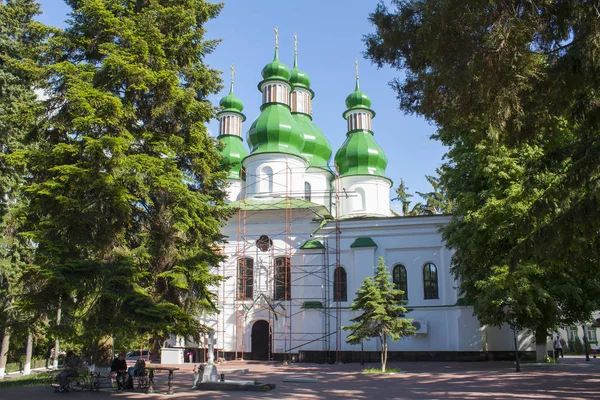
x: 287, y: 269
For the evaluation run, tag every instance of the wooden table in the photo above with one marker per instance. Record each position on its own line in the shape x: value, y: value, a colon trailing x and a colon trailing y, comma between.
x: 151, y: 377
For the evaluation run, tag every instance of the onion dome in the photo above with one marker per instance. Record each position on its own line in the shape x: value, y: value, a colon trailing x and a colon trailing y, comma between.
x: 358, y: 99
x: 360, y: 154
x: 231, y: 102
x: 230, y: 132
x: 276, y: 70
x: 298, y: 77
x: 317, y: 149
x: 232, y: 154
x: 275, y: 130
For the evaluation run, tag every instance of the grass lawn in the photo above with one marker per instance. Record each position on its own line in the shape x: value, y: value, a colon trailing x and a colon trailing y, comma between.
x: 35, y: 379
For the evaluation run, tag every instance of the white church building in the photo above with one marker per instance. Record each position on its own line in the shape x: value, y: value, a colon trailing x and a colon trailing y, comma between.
x: 305, y: 236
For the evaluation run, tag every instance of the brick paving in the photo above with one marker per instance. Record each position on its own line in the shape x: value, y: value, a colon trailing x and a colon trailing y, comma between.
x: 573, y: 379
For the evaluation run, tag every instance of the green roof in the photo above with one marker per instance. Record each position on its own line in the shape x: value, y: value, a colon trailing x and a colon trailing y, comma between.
x: 276, y: 70
x: 280, y: 204
x: 275, y: 131
x: 311, y: 304
x: 358, y: 100
x: 360, y: 155
x: 232, y: 154
x: 232, y: 103
x: 312, y: 244
x: 363, y: 242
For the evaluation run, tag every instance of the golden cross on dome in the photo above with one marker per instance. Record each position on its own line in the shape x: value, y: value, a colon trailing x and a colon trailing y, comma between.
x: 356, y: 64
x: 276, y: 38
x: 232, y: 73
x: 295, y: 44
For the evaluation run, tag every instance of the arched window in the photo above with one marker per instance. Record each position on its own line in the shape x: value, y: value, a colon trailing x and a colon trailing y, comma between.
x: 430, y: 281
x: 245, y: 278
x: 358, y: 199
x: 283, y: 278
x: 340, y: 285
x: 307, y: 191
x: 399, y: 278
x: 266, y: 180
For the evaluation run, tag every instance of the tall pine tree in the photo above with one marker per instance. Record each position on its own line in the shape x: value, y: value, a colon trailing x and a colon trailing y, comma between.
x: 126, y: 184
x: 22, y: 40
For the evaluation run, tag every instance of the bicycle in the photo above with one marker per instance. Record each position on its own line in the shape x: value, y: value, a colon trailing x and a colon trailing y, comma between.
x: 49, y: 380
x: 83, y: 381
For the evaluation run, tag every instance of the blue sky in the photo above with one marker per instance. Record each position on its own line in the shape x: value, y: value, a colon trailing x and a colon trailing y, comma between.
x: 329, y: 40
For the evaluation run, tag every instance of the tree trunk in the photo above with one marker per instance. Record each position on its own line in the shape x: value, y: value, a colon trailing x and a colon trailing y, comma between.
x: 56, y: 343
x: 541, y: 344
x: 28, y: 351
x: 4, y: 351
x: 383, y: 353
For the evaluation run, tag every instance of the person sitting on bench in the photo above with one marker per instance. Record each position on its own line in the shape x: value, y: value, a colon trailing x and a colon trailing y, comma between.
x: 119, y: 365
x: 69, y: 369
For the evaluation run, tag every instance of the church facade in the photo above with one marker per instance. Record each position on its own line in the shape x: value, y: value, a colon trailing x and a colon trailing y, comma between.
x: 305, y: 236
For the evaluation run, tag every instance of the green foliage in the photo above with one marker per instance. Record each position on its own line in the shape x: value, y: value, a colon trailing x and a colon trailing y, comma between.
x: 403, y: 196
x: 22, y: 41
x: 124, y: 186
x: 578, y: 346
x: 381, y: 308
x: 513, y: 90
x: 436, y: 202
x: 549, y: 360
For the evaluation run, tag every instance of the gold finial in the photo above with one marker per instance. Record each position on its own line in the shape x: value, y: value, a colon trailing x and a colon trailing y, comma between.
x: 295, y: 44
x: 276, y: 38
x: 356, y: 64
x: 232, y: 73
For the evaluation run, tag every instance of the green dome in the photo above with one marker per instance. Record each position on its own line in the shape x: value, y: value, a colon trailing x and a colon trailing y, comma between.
x: 232, y: 154
x: 317, y: 149
x: 276, y: 70
x: 360, y: 155
x: 358, y: 99
x: 275, y: 131
x: 299, y: 77
x: 231, y: 102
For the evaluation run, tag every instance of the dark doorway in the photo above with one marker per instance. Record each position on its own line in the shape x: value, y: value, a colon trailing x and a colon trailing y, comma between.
x: 260, y: 340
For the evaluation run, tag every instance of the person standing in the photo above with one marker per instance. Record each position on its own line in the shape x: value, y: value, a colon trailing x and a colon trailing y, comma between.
x: 558, y: 349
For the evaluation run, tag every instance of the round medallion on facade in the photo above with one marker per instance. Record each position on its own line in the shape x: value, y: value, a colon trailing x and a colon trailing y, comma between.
x: 264, y: 243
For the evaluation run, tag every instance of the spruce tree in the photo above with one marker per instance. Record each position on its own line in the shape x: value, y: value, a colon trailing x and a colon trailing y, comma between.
x: 382, y: 311
x: 22, y: 40
x: 126, y: 186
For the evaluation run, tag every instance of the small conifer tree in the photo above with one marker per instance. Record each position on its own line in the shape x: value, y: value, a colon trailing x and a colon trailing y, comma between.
x: 381, y: 310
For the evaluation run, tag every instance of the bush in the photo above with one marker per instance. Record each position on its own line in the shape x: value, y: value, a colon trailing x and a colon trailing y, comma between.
x: 578, y: 346
x: 549, y: 360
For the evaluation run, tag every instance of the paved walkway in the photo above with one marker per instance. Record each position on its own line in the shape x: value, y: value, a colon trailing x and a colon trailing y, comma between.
x: 574, y: 378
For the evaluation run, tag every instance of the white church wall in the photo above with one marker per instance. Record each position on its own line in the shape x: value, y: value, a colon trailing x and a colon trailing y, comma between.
x: 234, y: 190
x: 363, y: 195
x: 273, y: 175
x: 320, y: 185
x: 412, y: 242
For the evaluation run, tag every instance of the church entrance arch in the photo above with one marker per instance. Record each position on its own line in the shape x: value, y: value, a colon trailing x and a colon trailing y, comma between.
x: 260, y: 340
